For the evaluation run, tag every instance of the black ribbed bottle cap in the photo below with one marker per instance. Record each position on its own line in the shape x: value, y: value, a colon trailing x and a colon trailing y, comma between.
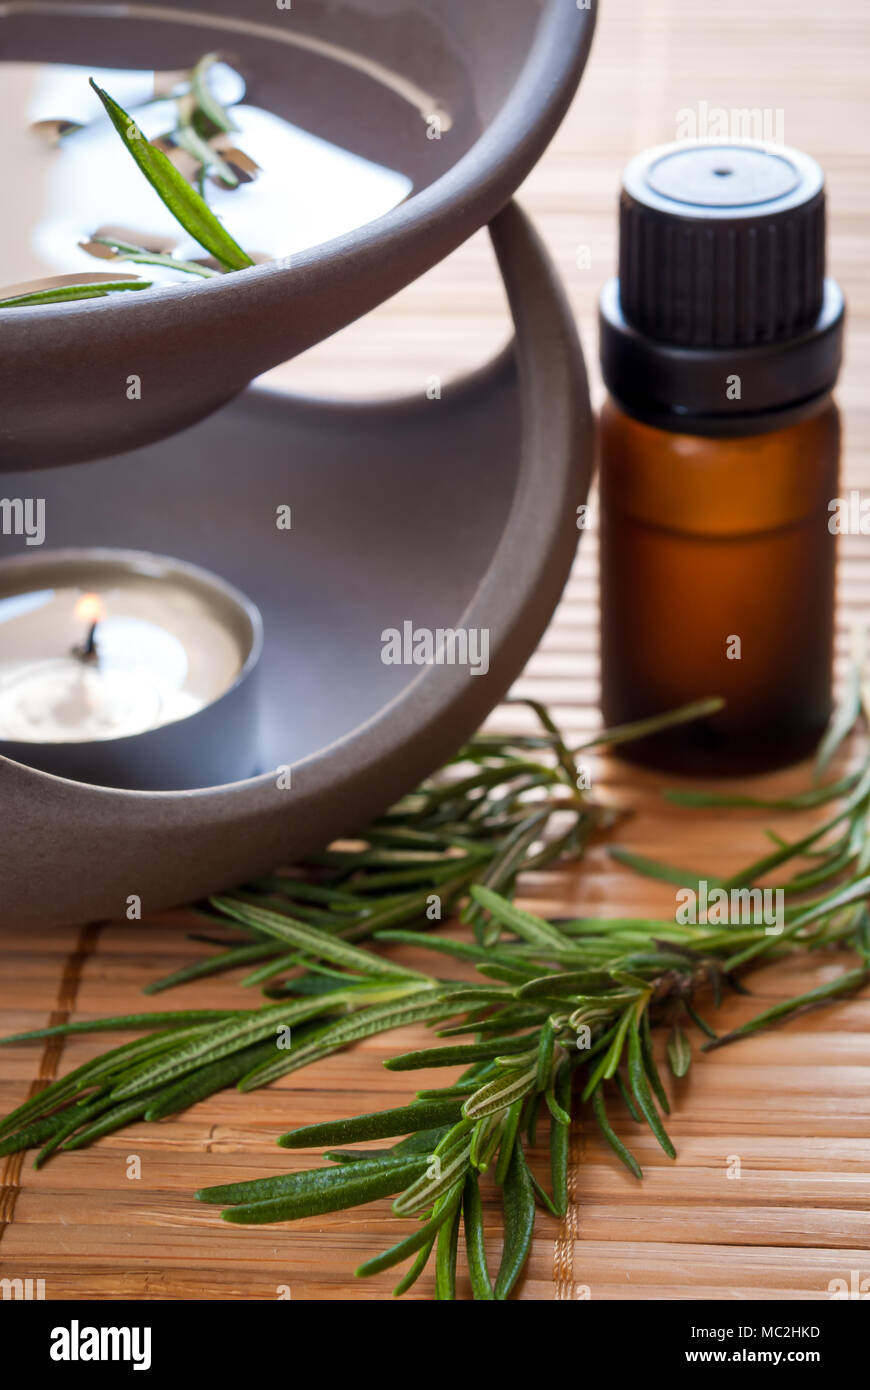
x: 721, y: 273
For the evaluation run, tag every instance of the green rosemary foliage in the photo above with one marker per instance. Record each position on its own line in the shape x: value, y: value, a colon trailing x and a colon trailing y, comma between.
x: 561, y: 1013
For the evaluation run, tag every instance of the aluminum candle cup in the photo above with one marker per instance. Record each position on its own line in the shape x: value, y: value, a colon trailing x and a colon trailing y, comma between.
x: 125, y: 669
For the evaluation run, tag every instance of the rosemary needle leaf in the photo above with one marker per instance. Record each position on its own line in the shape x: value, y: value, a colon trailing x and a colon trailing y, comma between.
x: 312, y: 939
x: 455, y: 1056
x: 321, y: 1190
x: 628, y: 1098
x: 64, y: 293
x: 279, y: 965
x: 679, y: 1051
x: 205, y: 97
x: 86, y: 1076
x: 485, y: 779
x: 424, y: 1141
x: 533, y: 1106
x: 314, y: 1190
x: 506, y: 864
x: 699, y: 1021
x: 346, y: 1156
x: 559, y: 1114
x: 123, y: 1023
x: 525, y: 924
x: 114, y: 1119
x: 544, y: 1062
x: 840, y: 897
x: 379, y: 1124
x: 649, y: 1063
x: 542, y: 1196
x: 216, y: 1042
x: 476, y: 996
x: 507, y: 974
x: 622, y: 1153
x: 423, y: 1238
x: 445, y: 1257
x: 439, y: 1179
x: 38, y: 1131
x: 138, y: 255
x: 653, y: 868
x: 475, y: 1248
x: 569, y: 982
x: 500, y: 1093
x: 755, y: 871
x: 300, y: 984
x: 204, y: 1082
x: 643, y: 728
x: 803, y: 801
x: 609, y: 1060
x: 213, y: 965
x: 459, y: 950
x: 413, y: 1274
x: 185, y: 204
x: 70, y: 1121
x: 510, y: 1128
x: 560, y: 1139
x: 846, y: 984
x: 189, y: 139
x: 367, y: 1023
x: 519, y: 1223
x: 566, y: 759
x: 640, y: 1086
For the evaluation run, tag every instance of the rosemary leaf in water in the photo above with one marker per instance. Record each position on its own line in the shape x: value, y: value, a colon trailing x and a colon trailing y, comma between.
x: 183, y: 201
x: 140, y: 255
x: 65, y: 293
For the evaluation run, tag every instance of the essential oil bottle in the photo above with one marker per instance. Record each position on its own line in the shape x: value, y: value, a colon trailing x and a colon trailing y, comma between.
x: 721, y: 342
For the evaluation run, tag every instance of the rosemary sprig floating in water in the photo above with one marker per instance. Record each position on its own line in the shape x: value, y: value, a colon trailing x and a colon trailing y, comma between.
x: 201, y: 118
x: 561, y: 1012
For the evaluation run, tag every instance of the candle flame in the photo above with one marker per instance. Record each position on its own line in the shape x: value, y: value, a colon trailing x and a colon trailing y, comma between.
x: 90, y: 609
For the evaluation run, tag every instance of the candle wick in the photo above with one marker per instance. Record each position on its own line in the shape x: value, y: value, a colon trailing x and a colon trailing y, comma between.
x: 88, y: 652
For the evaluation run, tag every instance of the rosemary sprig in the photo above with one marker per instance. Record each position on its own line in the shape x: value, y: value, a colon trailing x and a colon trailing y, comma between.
x: 200, y: 118
x: 513, y: 1074
x: 560, y: 1010
x: 464, y: 822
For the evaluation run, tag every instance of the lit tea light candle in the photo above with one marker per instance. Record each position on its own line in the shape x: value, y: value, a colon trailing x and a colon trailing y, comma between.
x: 127, y: 669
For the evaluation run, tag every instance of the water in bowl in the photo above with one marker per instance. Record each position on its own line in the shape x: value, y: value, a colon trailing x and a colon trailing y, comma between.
x: 305, y: 190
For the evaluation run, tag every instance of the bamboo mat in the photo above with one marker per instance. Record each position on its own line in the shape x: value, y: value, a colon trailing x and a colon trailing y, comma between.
x: 791, y: 1109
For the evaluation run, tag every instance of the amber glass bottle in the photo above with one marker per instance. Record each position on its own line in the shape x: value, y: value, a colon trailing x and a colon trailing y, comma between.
x: 721, y: 342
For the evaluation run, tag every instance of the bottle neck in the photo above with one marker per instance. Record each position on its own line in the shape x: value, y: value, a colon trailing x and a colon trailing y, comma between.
x: 721, y: 392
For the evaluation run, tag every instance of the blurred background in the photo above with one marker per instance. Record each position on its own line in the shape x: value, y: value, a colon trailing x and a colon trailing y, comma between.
x: 659, y: 69
x: 656, y: 65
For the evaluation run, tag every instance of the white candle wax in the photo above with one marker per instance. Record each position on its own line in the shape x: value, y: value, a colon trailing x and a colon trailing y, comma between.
x: 167, y: 641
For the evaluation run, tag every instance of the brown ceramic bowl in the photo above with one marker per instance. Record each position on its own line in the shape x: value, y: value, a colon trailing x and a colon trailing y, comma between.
x: 457, y: 513
x: 504, y: 71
